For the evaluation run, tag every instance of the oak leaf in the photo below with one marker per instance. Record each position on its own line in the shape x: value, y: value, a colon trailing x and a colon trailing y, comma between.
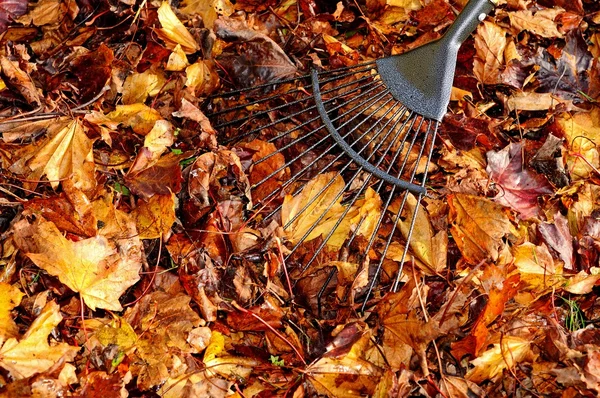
x: 32, y: 354
x: 95, y: 268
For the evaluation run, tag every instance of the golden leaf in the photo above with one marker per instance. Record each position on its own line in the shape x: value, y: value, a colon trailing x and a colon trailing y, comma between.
x: 159, y: 138
x: 93, y: 267
x: 68, y: 154
x: 138, y: 86
x: 582, y: 134
x: 219, y: 362
x: 313, y: 208
x: 155, y: 217
x: 504, y: 355
x: 208, y: 10
x: 536, y: 266
x: 177, y: 60
x: 173, y: 32
x: 32, y: 354
x: 541, y: 23
x: 141, y: 118
x: 10, y: 297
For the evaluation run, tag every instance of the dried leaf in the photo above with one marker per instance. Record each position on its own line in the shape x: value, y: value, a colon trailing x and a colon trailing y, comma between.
x: 490, y: 43
x: 582, y: 133
x: 10, y: 297
x: 102, y: 273
x: 173, y: 32
x: 478, y: 226
x: 155, y: 217
x: 541, y: 23
x: 504, y: 355
x: 32, y: 354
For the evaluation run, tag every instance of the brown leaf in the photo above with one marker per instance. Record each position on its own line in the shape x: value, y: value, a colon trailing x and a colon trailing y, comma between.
x: 490, y: 43
x: 20, y: 81
x: 155, y: 217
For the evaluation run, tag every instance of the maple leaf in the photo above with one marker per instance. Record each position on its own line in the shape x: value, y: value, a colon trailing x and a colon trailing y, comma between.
x: 10, y: 297
x: 208, y: 10
x: 32, y: 354
x: 93, y: 267
x: 582, y: 133
x: 139, y: 86
x: 270, y: 161
x: 478, y: 226
x: 504, y: 355
x: 541, y: 23
x: 519, y: 187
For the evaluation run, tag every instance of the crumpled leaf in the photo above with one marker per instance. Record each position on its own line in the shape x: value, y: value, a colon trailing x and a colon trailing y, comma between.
x: 520, y: 188
x: 173, y: 32
x: 307, y: 209
x: 219, y: 362
x: 10, y: 9
x: 537, y: 267
x: 208, y: 10
x: 504, y: 355
x: 32, y: 354
x: 93, y: 267
x: 16, y: 78
x: 260, y: 171
x: 10, y: 297
x: 159, y: 138
x: 141, y: 118
x: 478, y: 226
x: 139, y: 86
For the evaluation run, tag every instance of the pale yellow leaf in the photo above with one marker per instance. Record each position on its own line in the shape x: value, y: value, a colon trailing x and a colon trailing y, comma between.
x: 159, y: 138
x: 32, y: 354
x: 209, y: 10
x: 504, y: 355
x: 173, y: 32
x: 95, y: 268
x: 177, y: 60
x: 582, y: 283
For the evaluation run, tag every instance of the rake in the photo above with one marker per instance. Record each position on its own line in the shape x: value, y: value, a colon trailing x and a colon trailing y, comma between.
x: 345, y: 144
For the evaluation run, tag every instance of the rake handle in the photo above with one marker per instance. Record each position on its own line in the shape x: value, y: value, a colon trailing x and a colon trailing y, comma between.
x: 465, y: 23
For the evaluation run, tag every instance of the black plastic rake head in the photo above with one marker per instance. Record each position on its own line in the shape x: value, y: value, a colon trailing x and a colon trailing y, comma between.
x: 340, y: 158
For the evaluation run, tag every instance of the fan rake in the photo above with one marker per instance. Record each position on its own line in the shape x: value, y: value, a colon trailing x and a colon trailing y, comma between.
x: 350, y: 152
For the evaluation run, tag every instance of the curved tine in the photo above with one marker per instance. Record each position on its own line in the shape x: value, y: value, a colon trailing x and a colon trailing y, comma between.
x: 402, y: 111
x: 414, y: 218
x: 323, y: 153
x: 364, y: 67
x: 394, y: 224
x: 316, y: 118
x: 322, y: 290
x: 258, y: 87
x: 298, y: 101
x: 238, y: 137
x: 341, y: 171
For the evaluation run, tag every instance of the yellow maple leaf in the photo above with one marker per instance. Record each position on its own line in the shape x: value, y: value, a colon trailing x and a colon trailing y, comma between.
x: 320, y: 197
x: 10, y: 297
x: 32, y: 354
x: 504, y: 355
x: 68, y: 154
x: 95, y: 268
x: 173, y: 32
x: 138, y: 86
x: 582, y: 134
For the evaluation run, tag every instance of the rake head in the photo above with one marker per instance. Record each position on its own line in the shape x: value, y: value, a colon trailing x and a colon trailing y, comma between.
x: 340, y: 159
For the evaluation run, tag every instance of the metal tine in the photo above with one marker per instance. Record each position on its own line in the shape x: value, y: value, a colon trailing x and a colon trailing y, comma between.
x: 369, y: 102
x: 343, y: 168
x: 394, y: 224
x: 399, y: 114
x: 303, y: 137
x: 293, y: 79
x: 288, y: 104
x: 376, y: 84
x: 334, y: 200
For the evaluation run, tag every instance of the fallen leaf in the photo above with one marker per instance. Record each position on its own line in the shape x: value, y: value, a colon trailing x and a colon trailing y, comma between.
x: 540, y: 23
x: 478, y: 226
x: 316, y: 210
x: 582, y: 134
x: 32, y: 354
x: 155, y: 217
x: 139, y: 86
x: 10, y: 9
x: 267, y: 172
x: 10, y: 297
x: 490, y: 43
x: 219, y: 362
x: 504, y: 355
x: 16, y: 78
x: 141, y: 118
x: 102, y: 273
x: 208, y: 10
x: 173, y: 32
x: 177, y: 60
x: 558, y: 236
x: 519, y: 187
x: 536, y: 267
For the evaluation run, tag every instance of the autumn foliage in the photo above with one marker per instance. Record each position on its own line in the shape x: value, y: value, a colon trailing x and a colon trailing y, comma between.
x: 132, y: 263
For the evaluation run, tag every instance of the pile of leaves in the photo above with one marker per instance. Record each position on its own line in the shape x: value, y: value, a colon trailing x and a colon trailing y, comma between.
x: 129, y: 267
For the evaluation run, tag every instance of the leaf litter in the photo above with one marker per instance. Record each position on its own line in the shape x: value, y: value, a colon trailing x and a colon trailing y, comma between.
x: 130, y: 263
